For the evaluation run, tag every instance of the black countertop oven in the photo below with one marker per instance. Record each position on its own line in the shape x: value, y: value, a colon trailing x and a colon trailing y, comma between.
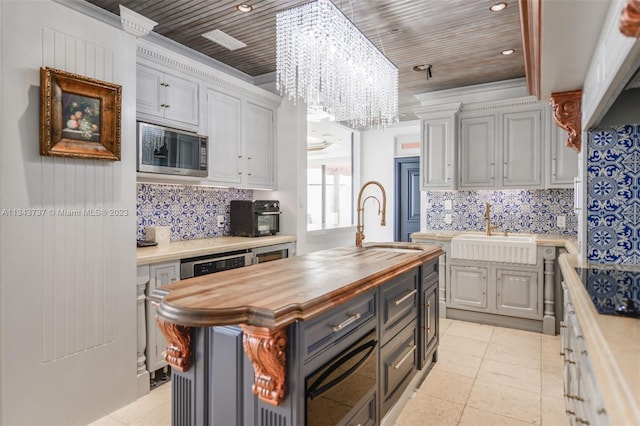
x: 254, y: 218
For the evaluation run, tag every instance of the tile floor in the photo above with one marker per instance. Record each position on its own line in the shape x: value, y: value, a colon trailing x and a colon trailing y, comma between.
x: 484, y: 376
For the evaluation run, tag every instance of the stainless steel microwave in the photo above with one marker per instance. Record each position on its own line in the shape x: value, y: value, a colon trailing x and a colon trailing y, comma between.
x: 171, y: 152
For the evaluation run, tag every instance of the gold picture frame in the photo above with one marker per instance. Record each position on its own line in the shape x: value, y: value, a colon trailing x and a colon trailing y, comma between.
x: 79, y: 116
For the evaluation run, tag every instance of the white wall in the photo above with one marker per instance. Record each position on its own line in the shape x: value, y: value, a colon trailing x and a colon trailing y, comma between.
x: 67, y: 284
x: 377, y: 163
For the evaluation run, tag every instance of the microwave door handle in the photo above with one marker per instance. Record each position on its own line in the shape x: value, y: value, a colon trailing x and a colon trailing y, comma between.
x: 267, y: 213
x: 316, y: 390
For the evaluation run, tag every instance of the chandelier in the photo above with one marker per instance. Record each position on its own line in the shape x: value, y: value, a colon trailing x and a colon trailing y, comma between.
x: 322, y: 58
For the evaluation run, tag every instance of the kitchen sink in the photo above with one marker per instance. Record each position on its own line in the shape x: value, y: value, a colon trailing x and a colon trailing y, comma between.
x: 519, y: 248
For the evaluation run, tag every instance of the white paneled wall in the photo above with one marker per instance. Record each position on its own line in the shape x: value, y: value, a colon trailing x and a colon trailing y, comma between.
x: 67, y: 276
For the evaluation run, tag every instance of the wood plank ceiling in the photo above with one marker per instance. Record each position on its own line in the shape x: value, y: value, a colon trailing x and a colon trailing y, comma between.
x: 461, y: 39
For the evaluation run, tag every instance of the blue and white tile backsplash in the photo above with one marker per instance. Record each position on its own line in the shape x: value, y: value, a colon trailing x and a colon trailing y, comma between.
x: 613, y: 195
x: 533, y: 211
x: 191, y: 211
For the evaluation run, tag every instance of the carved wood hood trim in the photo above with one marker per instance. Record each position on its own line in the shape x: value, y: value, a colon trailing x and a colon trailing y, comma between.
x: 530, y: 22
x: 567, y: 113
x: 266, y: 350
x: 630, y: 19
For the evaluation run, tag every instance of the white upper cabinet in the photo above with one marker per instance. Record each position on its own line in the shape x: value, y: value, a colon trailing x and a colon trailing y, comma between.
x: 477, y: 152
x: 522, y: 149
x: 438, y: 146
x: 242, y: 149
x: 166, y: 98
x: 563, y: 160
x: 501, y: 147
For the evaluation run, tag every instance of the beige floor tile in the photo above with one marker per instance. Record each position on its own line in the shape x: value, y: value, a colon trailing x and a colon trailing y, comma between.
x: 444, y: 325
x: 552, y: 362
x: 107, y: 421
x: 449, y: 386
x: 463, y: 345
x: 475, y: 417
x: 160, y: 416
x: 470, y: 330
x: 453, y: 362
x: 423, y: 410
x: 513, y: 375
x: 506, y: 401
x: 551, y: 344
x: 553, y: 411
x: 513, y: 354
x: 509, y: 336
x: 145, y: 404
x: 552, y: 383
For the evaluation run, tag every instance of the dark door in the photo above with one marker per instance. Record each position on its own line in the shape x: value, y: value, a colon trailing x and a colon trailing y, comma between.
x: 407, y: 203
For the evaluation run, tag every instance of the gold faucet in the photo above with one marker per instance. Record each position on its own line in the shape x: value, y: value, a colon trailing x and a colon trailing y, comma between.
x: 487, y: 218
x: 381, y: 210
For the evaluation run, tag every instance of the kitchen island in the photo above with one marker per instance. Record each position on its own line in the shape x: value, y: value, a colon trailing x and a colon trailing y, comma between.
x: 244, y: 344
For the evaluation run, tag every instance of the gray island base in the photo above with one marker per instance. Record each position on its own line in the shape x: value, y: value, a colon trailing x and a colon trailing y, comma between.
x: 351, y: 354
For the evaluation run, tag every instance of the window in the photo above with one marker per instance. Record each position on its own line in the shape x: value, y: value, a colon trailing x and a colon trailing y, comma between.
x: 329, y: 181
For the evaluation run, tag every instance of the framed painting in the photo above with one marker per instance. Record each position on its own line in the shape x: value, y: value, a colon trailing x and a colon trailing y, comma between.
x: 79, y: 116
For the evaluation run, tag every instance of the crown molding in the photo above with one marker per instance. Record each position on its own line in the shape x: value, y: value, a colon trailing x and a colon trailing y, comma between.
x: 494, y: 91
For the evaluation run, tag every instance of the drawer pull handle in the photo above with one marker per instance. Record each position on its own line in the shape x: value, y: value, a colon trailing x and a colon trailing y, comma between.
x: 397, y: 365
x: 346, y: 322
x: 405, y: 297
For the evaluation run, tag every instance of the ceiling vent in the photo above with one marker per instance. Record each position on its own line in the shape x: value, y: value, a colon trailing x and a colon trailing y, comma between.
x: 224, y: 39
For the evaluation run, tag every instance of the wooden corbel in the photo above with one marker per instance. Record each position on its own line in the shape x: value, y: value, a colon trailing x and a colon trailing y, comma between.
x: 266, y: 350
x: 567, y: 113
x: 178, y: 353
x: 630, y: 19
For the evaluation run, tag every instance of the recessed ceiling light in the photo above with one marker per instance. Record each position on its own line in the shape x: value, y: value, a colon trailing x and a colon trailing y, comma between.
x: 507, y: 52
x: 498, y: 7
x: 244, y: 7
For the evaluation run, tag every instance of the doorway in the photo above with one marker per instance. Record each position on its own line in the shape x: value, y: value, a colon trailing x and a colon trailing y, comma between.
x: 407, y: 198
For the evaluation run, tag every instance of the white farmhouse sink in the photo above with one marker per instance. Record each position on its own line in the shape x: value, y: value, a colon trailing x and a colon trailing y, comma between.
x: 495, y: 248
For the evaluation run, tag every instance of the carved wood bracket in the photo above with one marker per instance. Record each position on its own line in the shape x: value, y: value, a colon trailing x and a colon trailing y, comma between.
x: 567, y: 113
x: 630, y: 19
x: 178, y: 353
x: 266, y: 350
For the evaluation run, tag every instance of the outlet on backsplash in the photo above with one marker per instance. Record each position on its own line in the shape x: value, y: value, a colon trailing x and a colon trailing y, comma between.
x: 561, y: 221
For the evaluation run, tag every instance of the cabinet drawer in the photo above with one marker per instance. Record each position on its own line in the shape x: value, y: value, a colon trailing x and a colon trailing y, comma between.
x: 398, y: 363
x: 399, y: 301
x: 326, y: 329
x: 366, y: 416
x: 430, y: 270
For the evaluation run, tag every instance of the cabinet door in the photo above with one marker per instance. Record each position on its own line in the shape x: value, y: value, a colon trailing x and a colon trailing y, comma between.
x: 181, y: 99
x: 477, y: 152
x: 522, y: 149
x: 259, y: 145
x: 563, y: 166
x: 430, y: 327
x: 518, y: 293
x: 149, y: 91
x: 161, y: 274
x: 468, y: 287
x: 225, y: 139
x: 437, y: 153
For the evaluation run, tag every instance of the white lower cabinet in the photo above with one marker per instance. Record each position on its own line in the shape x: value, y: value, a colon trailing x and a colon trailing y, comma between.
x: 468, y: 286
x: 160, y: 274
x: 496, y: 288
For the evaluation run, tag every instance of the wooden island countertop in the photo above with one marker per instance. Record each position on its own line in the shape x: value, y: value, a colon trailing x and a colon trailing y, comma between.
x: 275, y: 294
x: 264, y: 299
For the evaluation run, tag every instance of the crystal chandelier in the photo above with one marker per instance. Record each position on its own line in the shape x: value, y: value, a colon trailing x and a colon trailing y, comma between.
x: 324, y: 59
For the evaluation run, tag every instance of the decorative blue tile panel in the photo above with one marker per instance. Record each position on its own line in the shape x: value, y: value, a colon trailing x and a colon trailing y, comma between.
x: 191, y: 211
x: 532, y: 211
x: 613, y: 195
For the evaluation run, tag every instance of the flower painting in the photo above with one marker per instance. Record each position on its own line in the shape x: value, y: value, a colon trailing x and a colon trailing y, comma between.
x: 82, y: 117
x: 79, y: 116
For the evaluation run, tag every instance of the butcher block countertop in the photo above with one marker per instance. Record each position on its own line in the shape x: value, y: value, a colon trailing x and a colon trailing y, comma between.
x: 177, y: 250
x: 275, y: 294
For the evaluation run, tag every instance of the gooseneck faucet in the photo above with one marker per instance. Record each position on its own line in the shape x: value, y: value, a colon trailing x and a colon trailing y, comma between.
x: 487, y: 218
x: 382, y: 208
